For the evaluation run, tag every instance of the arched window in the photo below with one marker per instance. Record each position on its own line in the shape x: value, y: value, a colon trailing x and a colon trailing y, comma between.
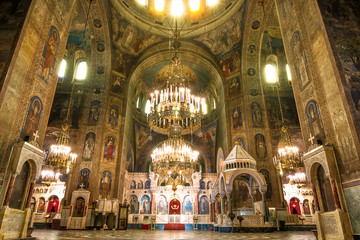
x: 81, y: 71
x: 159, y: 5
x: 288, y: 72
x: 211, y: 3
x: 62, y: 69
x: 271, y: 72
x: 137, y: 103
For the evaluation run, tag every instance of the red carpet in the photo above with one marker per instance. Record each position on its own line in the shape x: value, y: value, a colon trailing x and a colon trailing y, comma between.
x: 174, y: 226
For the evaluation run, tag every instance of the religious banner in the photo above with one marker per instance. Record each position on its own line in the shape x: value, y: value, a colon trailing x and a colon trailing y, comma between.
x: 32, y: 119
x: 174, y: 207
x: 53, y: 204
x: 48, y: 59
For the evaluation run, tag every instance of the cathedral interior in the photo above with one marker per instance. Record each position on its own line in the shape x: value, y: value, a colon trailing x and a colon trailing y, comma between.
x: 141, y: 116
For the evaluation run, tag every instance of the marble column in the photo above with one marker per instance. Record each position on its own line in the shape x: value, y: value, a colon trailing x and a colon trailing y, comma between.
x: 335, y: 194
x: 9, y: 190
x: 265, y: 208
x: 196, y: 204
x: 316, y: 200
x: 31, y: 191
x: 212, y: 211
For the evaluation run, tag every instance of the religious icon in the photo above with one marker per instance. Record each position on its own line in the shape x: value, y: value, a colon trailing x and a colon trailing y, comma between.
x: 255, y: 25
x: 84, y: 178
x: 133, y: 185
x: 100, y: 47
x: 314, y: 121
x: 218, y: 205
x: 79, y: 208
x: 209, y: 185
x: 114, y: 115
x: 252, y: 49
x: 256, y: 114
x: 202, y: 185
x: 147, y: 185
x: 300, y: 60
x: 140, y: 185
x: 118, y: 83
x: 234, y: 86
x: 97, y: 23
x: 261, y: 151
x: 49, y: 52
x: 237, y: 119
x: 130, y: 161
x: 89, y: 145
x: 204, y: 205
x: 41, y: 207
x: 94, y: 112
x: 220, y: 160
x: 53, y: 204
x: 241, y: 141
x: 100, y: 70
x: 109, y: 152
x: 188, y: 205
x: 306, y: 206
x: 266, y: 175
x: 145, y: 205
x: 32, y: 119
x: 134, y: 204
x: 105, y: 184
x: 294, y: 206
x: 161, y: 207
x: 251, y: 72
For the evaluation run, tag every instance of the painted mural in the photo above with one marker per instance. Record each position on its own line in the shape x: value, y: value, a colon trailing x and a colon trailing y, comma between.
x: 109, y: 151
x: 89, y: 145
x: 256, y: 114
x: 260, y: 147
x: 352, y: 198
x: 117, y: 82
x: 266, y: 175
x: 128, y: 38
x: 300, y: 60
x: 314, y: 121
x: 242, y: 142
x: 234, y: 86
x: 162, y: 206
x: 130, y: 161
x: 32, y: 118
x: 114, y: 115
x: 230, y: 63
x: 122, y: 62
x: 288, y: 108
x: 222, y: 39
x: 105, y: 184
x: 145, y: 205
x: 209, y: 137
x: 187, y: 205
x: 237, y: 118
x: 134, y: 204
x: 48, y: 58
x: 204, y: 205
x: 84, y: 178
x: 220, y: 160
x: 94, y: 113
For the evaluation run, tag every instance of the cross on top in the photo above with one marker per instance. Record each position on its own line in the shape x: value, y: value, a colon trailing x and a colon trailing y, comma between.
x: 82, y: 186
x: 36, y: 135
x: 311, y: 139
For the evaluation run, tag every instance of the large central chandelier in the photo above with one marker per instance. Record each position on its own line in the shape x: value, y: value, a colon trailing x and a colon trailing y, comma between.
x: 175, y: 103
x: 174, y: 157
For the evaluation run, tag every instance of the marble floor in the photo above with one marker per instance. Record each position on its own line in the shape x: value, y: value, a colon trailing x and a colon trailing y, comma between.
x: 166, y: 235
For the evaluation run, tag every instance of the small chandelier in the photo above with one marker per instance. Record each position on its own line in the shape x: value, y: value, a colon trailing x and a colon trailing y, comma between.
x: 175, y: 104
x: 174, y: 157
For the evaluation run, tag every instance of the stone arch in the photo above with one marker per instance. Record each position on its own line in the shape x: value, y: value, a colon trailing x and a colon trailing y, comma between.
x: 258, y: 177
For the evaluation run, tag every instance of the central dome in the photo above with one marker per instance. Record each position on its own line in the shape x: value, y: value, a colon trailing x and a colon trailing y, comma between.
x: 163, y: 23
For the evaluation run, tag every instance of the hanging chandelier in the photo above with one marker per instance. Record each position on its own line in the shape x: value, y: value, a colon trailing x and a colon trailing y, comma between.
x: 174, y: 157
x: 60, y: 159
x: 175, y: 103
x: 288, y: 159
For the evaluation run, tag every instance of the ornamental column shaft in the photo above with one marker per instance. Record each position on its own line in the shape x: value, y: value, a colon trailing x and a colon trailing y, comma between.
x: 9, y: 190
x: 335, y: 194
